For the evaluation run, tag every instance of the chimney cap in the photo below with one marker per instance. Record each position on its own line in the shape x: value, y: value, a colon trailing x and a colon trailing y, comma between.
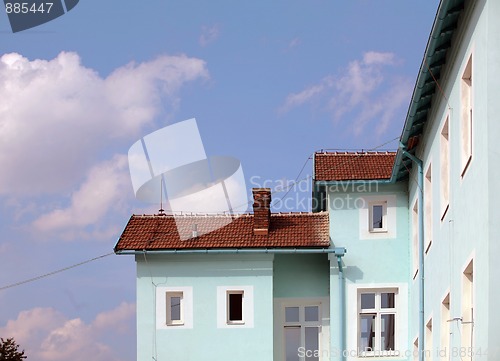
x: 261, y: 190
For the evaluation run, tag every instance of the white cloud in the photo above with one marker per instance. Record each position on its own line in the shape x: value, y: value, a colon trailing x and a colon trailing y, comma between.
x: 374, y: 57
x: 364, y: 92
x: 209, y: 34
x: 106, y: 186
x: 57, y: 116
x: 46, y: 334
x: 296, y: 99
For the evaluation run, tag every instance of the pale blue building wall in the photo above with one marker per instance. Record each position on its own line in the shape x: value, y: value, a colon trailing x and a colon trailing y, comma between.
x: 469, y: 229
x: 373, y: 261
x: 275, y: 279
x: 205, y: 341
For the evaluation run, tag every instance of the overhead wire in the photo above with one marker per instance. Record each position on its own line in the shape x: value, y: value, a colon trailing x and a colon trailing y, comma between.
x: 33, y: 279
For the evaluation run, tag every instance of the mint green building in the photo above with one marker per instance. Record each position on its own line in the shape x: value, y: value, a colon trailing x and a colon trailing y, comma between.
x: 397, y: 260
x: 255, y: 288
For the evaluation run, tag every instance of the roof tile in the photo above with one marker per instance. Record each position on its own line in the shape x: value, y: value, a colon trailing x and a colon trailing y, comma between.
x: 155, y: 232
x: 336, y: 166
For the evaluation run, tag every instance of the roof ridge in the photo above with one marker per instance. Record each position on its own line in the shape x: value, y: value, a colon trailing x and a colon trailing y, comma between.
x: 207, y: 215
x: 361, y: 153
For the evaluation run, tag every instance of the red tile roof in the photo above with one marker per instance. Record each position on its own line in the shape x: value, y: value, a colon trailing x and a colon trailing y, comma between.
x: 353, y: 166
x: 287, y: 230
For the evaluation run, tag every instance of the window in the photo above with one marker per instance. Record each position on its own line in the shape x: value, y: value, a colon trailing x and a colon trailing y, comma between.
x: 415, y: 350
x: 174, y: 308
x: 415, y: 253
x: 445, y: 328
x: 302, y: 332
x: 466, y: 126
x: 377, y: 321
x: 467, y: 306
x: 428, y: 208
x: 378, y: 217
x: 428, y: 341
x: 445, y: 168
x: 235, y: 307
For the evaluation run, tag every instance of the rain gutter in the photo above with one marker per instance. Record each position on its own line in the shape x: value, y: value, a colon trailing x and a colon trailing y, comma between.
x: 337, y: 251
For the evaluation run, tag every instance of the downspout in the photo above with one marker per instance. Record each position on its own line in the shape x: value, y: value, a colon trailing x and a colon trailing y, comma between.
x: 420, y: 181
x: 342, y: 330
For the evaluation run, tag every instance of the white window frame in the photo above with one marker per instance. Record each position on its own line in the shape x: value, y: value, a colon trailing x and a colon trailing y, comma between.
x: 223, y: 293
x: 378, y: 311
x: 467, y: 116
x: 365, y: 216
x: 402, y: 319
x: 415, y: 350
x: 445, y: 325
x: 468, y: 304
x: 445, y: 167
x: 415, y: 230
x: 162, y: 310
x: 302, y: 323
x: 382, y: 204
x: 428, y: 341
x: 279, y: 307
x: 428, y: 208
x: 169, y: 295
x: 228, y: 307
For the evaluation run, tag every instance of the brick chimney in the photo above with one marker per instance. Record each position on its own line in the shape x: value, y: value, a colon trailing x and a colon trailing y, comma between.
x: 261, y: 211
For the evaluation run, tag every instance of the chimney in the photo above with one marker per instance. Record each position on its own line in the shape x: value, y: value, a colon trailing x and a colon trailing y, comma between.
x: 261, y: 211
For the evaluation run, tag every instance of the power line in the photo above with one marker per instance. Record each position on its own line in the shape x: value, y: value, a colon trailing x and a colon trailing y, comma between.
x: 55, y: 272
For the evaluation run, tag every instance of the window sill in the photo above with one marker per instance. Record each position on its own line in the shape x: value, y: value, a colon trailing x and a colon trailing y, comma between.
x: 181, y: 323
x: 381, y: 230
x: 235, y: 323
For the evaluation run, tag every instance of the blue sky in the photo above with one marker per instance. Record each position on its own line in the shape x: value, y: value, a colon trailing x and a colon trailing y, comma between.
x: 268, y: 82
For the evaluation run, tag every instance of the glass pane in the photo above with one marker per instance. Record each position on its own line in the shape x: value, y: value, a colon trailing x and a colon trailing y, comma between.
x: 387, y: 300
x: 292, y: 343
x: 312, y: 343
x: 236, y: 307
x: 291, y: 314
x: 387, y: 332
x: 312, y: 313
x: 377, y: 216
x: 175, y: 308
x: 367, y: 332
x: 367, y: 301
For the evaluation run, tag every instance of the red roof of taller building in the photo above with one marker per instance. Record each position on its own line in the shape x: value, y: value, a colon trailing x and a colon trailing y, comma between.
x: 342, y: 166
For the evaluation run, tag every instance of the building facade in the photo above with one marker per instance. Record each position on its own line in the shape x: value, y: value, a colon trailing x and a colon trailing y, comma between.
x: 258, y: 287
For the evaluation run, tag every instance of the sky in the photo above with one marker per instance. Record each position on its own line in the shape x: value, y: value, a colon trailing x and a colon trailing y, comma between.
x: 269, y: 83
